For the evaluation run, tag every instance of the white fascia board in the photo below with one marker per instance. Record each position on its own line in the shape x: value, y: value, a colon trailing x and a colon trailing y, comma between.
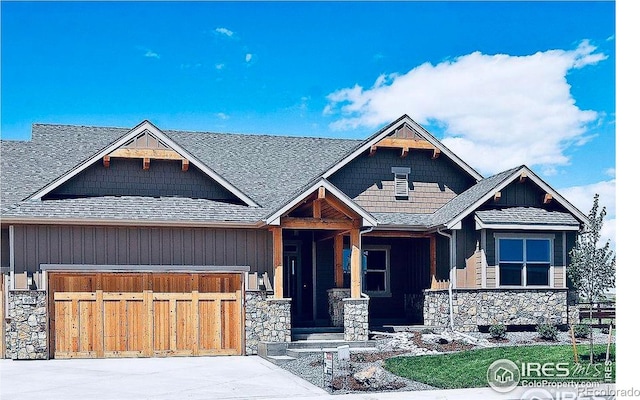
x: 529, y: 227
x: 145, y: 125
x: 367, y: 219
x: 420, y: 131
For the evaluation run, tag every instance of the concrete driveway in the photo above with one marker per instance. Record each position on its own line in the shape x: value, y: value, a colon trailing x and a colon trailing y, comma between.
x: 209, y: 378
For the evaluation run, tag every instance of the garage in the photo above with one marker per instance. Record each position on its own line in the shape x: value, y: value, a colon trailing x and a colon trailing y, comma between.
x: 145, y: 314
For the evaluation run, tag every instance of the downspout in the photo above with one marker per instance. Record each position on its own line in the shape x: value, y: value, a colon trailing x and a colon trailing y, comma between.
x: 360, y: 240
x: 451, y: 249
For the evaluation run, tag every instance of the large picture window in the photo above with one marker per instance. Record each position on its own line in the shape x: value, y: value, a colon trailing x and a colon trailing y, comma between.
x: 524, y: 261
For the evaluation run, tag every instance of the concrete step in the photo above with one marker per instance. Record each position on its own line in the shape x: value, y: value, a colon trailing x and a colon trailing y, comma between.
x: 297, y: 353
x: 317, y: 336
x: 279, y: 360
x: 319, y: 344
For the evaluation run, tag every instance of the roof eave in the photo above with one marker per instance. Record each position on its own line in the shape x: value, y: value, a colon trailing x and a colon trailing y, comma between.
x: 130, y: 222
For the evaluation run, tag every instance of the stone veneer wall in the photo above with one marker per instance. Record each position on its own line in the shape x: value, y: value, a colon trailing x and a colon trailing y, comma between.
x: 484, y: 307
x: 26, y: 329
x: 336, y: 305
x: 356, y: 319
x: 266, y: 320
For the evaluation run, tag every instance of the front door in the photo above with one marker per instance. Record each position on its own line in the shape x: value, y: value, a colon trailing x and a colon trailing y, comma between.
x: 298, y: 283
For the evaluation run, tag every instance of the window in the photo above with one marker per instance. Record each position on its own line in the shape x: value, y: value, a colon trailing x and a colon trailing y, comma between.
x: 376, y: 267
x: 524, y: 261
x: 401, y: 181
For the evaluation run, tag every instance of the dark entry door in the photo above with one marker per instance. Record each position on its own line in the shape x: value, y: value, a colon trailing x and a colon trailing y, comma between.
x: 298, y: 283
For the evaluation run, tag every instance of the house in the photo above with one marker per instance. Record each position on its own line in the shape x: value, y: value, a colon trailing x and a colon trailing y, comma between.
x: 148, y: 242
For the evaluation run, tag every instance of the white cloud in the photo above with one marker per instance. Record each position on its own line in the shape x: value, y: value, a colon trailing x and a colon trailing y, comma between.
x: 219, y: 66
x: 582, y: 197
x: 224, y: 32
x: 151, y: 54
x: 222, y: 116
x: 248, y: 57
x: 519, y: 109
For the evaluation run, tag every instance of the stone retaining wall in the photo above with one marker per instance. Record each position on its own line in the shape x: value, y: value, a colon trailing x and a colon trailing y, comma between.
x: 26, y: 327
x: 266, y: 320
x: 356, y: 319
x: 485, y: 307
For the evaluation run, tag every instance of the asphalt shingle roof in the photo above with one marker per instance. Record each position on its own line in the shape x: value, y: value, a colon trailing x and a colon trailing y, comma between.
x: 135, y: 208
x: 269, y: 169
x: 469, y: 197
x: 526, y: 216
x: 266, y: 168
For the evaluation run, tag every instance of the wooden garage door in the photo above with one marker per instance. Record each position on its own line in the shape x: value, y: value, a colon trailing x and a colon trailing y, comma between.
x: 145, y: 314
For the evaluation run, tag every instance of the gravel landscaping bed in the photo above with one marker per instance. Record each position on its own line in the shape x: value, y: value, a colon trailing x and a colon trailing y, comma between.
x: 364, y: 372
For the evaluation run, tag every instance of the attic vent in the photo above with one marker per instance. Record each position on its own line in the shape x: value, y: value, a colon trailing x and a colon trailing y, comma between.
x: 401, y: 181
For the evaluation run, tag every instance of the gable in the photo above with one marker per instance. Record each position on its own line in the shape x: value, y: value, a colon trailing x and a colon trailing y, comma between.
x: 128, y: 177
x: 405, y: 135
x: 514, y: 188
x: 373, y: 180
x: 370, y: 181
x: 148, y: 145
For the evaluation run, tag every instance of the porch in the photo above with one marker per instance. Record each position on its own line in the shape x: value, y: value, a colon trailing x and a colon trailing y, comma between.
x: 339, y: 274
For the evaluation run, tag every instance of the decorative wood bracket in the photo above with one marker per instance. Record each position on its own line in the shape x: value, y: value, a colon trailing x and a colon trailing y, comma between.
x: 523, y: 177
x: 547, y: 198
x: 497, y: 196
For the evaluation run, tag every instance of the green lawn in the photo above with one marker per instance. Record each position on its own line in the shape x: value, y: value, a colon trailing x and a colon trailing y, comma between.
x: 467, y: 369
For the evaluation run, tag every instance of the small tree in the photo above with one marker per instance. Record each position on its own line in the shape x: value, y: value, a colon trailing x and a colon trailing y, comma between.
x: 592, y: 269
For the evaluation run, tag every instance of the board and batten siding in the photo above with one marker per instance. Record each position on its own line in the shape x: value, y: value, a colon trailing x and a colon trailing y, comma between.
x: 102, y: 245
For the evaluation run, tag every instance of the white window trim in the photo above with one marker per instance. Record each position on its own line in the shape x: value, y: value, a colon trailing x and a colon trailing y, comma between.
x: 523, y: 279
x: 387, y: 272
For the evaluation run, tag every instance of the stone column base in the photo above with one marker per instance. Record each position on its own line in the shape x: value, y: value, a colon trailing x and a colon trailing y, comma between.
x: 266, y: 320
x: 27, y: 332
x: 336, y: 305
x: 356, y: 319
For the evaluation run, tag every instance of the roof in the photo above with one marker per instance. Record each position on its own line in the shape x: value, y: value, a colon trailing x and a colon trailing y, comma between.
x: 449, y: 215
x: 526, y: 216
x: 269, y: 173
x: 132, y: 209
x: 267, y: 168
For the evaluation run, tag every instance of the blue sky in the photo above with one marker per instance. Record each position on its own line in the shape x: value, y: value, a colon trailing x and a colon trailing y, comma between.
x: 500, y: 83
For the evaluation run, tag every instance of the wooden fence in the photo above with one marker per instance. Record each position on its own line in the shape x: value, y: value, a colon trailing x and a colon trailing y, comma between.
x: 124, y: 324
x: 601, y: 314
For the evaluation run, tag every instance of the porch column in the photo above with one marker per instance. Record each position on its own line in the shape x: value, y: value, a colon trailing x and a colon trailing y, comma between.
x: 337, y: 255
x: 356, y: 291
x: 278, y: 270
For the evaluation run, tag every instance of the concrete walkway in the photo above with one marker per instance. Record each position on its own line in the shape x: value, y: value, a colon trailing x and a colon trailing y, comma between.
x: 178, y: 378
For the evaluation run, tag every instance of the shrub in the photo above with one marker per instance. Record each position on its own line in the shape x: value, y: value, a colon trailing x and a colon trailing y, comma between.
x: 581, y: 330
x: 547, y: 331
x: 498, y: 331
